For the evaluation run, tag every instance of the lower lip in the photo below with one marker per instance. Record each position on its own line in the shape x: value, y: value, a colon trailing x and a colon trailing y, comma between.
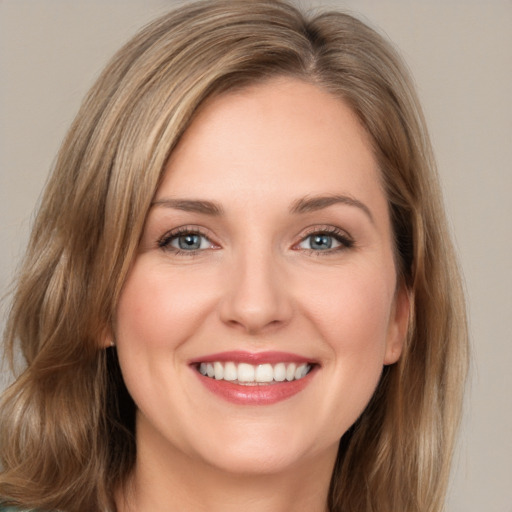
x: 262, y: 394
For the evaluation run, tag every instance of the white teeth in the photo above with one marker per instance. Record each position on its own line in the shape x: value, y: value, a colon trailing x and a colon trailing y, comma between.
x: 301, y: 371
x: 280, y: 372
x: 290, y: 372
x: 245, y: 372
x: 254, y: 374
x: 230, y: 371
x: 264, y: 373
x: 219, y: 370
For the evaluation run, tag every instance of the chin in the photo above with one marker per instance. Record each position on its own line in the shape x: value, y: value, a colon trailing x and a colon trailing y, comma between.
x: 265, y: 450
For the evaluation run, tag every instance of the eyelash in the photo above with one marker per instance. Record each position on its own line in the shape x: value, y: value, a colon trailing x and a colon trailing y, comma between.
x: 342, y: 237
x: 165, y: 241
x: 345, y: 241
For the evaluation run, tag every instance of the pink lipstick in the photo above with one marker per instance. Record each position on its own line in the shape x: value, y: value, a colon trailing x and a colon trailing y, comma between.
x: 254, y: 378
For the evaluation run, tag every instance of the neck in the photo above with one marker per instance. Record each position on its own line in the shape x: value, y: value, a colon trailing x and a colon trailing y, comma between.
x: 167, y: 480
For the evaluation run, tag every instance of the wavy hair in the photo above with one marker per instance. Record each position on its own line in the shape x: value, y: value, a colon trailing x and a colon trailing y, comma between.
x: 67, y: 422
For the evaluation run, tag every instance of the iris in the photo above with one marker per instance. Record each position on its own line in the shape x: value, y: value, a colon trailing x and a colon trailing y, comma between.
x: 321, y: 242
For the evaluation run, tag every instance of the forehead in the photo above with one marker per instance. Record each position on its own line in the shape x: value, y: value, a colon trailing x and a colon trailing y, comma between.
x: 280, y: 138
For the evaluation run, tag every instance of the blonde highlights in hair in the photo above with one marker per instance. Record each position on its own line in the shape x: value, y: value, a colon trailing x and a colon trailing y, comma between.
x: 66, y: 424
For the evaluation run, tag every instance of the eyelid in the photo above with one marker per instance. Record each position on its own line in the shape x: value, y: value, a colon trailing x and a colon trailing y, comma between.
x: 342, y: 236
x: 164, y: 241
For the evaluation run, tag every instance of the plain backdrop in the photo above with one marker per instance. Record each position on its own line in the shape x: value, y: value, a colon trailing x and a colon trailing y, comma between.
x: 460, y: 53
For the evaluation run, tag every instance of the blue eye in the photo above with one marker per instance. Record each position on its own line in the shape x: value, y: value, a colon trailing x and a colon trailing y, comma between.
x: 188, y: 242
x: 322, y: 241
x: 185, y: 241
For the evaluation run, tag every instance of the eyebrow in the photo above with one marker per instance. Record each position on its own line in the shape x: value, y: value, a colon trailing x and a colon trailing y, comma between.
x: 191, y: 205
x: 302, y: 205
x: 314, y: 203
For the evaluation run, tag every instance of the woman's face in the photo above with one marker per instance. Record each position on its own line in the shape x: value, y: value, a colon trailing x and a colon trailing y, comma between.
x: 266, y: 263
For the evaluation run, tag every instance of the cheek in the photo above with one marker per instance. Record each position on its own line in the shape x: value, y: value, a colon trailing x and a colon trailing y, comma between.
x: 159, y: 308
x: 159, y: 311
x: 352, y: 311
x: 352, y: 319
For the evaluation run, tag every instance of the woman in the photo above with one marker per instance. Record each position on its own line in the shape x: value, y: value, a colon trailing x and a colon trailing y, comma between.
x: 239, y: 290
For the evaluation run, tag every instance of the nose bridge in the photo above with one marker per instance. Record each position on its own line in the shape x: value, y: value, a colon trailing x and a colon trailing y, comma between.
x: 256, y: 298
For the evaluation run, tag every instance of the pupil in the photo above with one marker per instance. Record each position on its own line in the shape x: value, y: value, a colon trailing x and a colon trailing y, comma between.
x: 321, y: 242
x: 189, y: 242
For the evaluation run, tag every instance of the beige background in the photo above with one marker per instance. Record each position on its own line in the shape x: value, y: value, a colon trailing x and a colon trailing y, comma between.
x: 460, y: 53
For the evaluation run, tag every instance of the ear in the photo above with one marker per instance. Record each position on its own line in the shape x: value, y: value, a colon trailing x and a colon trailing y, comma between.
x: 398, y: 324
x: 106, y: 338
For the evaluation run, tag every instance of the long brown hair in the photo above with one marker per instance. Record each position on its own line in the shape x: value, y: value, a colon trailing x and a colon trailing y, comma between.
x: 66, y: 424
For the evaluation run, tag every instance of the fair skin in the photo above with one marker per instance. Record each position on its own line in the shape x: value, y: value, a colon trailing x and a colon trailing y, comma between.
x: 269, y: 238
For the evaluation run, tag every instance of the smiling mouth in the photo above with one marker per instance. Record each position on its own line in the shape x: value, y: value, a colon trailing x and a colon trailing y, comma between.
x: 253, y: 375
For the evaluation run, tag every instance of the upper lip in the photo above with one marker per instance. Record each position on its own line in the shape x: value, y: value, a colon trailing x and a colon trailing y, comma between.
x: 254, y: 358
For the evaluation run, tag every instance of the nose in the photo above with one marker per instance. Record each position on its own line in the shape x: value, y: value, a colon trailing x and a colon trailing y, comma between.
x: 257, y: 298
